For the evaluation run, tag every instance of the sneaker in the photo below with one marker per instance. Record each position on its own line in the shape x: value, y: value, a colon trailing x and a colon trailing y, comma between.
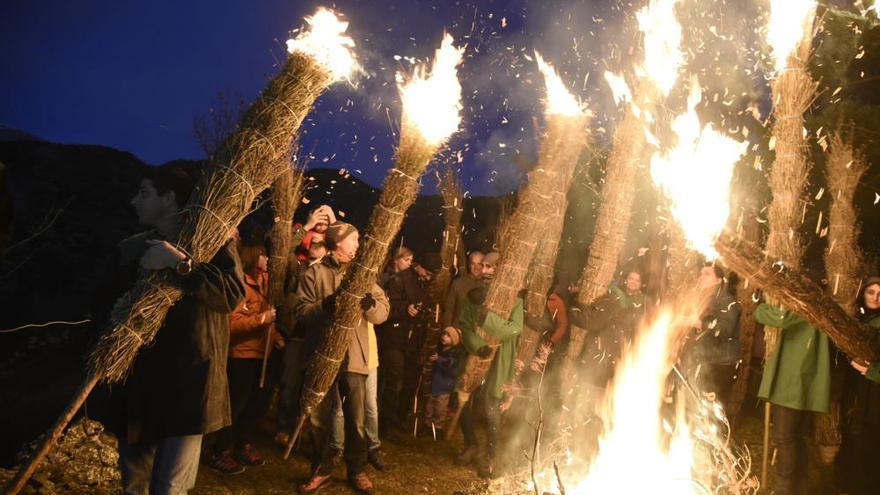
x: 249, y: 457
x: 315, y: 483
x: 467, y: 456
x: 376, y: 459
x: 224, y: 463
x: 361, y: 483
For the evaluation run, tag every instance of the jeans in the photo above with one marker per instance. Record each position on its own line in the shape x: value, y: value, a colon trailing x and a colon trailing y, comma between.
x: 350, y: 391
x: 788, y: 432
x: 292, y: 375
x: 371, y: 421
x: 167, y: 466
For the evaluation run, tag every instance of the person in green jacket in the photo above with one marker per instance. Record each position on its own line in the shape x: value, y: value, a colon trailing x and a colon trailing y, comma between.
x: 856, y: 466
x: 506, y: 331
x: 797, y: 382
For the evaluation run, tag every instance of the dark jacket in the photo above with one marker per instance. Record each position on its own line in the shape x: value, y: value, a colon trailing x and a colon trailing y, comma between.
x: 456, y: 298
x: 320, y: 282
x: 177, y: 385
x: 402, y: 289
x: 446, y: 369
x: 717, y: 340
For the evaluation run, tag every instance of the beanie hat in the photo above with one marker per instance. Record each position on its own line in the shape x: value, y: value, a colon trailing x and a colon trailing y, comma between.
x: 454, y: 335
x: 337, y: 233
x: 871, y: 281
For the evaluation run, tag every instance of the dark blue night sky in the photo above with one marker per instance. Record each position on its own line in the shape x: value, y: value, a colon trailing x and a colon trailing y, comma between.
x: 132, y: 75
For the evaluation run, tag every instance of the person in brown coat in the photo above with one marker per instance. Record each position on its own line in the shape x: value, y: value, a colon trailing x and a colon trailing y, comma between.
x: 251, y: 325
x: 314, y: 307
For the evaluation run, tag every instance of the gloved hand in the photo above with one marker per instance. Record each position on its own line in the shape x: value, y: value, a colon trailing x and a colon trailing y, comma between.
x: 329, y: 305
x: 484, y: 352
x: 368, y: 303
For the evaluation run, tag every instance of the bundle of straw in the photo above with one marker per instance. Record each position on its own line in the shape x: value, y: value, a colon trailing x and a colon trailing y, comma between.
x: 559, y: 151
x: 286, y: 194
x: 799, y: 295
x: 399, y: 192
x: 843, y: 265
x: 246, y: 164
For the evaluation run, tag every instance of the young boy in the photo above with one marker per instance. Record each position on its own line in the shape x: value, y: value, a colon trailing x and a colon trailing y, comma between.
x: 444, y: 373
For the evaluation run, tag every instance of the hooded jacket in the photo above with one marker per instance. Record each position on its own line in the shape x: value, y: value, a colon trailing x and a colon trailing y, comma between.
x: 319, y: 282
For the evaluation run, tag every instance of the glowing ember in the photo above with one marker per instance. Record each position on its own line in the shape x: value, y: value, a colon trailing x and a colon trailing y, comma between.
x: 326, y: 43
x: 695, y: 175
x: 619, y: 88
x: 559, y: 100
x: 432, y: 103
x: 635, y: 436
x: 662, y: 41
x: 790, y: 22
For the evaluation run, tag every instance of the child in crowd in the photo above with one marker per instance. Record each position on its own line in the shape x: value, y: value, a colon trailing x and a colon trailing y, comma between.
x: 444, y: 372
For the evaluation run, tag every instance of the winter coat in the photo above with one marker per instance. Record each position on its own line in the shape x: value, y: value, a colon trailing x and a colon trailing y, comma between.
x: 611, y: 323
x: 505, y: 331
x: 445, y: 371
x: 319, y: 282
x: 456, y: 298
x: 717, y: 340
x: 177, y: 385
x: 798, y: 372
x: 402, y: 289
x: 862, y: 393
x: 248, y: 335
x: 284, y: 321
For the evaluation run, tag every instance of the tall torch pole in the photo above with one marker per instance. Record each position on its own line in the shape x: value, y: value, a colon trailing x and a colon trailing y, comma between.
x: 245, y: 165
x: 431, y: 106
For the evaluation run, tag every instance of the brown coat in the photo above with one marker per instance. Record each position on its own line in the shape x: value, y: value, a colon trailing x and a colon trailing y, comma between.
x: 319, y: 282
x: 248, y: 333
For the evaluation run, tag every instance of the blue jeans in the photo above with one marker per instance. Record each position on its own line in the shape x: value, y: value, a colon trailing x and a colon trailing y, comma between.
x: 371, y: 422
x: 167, y: 466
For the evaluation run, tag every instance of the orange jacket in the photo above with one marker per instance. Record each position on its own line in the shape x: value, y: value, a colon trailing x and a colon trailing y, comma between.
x: 247, y: 337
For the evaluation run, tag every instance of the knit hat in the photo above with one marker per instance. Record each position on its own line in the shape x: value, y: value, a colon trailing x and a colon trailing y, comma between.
x: 337, y: 233
x: 871, y: 281
x: 454, y: 335
x: 492, y: 258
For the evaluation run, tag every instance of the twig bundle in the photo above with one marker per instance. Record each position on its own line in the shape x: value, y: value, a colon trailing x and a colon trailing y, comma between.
x: 286, y: 194
x: 399, y: 191
x: 246, y: 164
x: 799, y: 295
x: 843, y: 264
x: 558, y: 156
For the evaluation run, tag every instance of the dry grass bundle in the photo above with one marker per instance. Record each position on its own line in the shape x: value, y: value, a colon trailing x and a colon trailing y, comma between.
x: 286, y: 195
x: 558, y: 155
x: 399, y: 192
x: 843, y: 264
x: 246, y: 164
x: 609, y: 238
x: 541, y: 271
x: 800, y: 295
x: 793, y: 91
x: 453, y: 208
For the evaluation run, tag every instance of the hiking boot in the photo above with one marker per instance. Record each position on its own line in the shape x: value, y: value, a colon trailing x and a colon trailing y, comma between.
x: 315, y: 483
x: 376, y: 459
x: 361, y: 483
x: 224, y: 463
x: 467, y: 456
x: 248, y: 457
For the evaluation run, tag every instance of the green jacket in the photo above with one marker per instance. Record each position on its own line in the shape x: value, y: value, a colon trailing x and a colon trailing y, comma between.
x: 504, y: 331
x: 798, y: 372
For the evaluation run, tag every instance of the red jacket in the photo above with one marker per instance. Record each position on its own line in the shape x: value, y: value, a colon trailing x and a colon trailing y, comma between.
x: 247, y: 334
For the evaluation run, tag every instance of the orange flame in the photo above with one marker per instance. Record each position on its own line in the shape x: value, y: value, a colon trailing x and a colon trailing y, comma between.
x: 326, y: 43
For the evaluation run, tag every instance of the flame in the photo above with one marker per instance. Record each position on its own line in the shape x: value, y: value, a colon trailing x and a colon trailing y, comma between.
x: 696, y: 175
x: 790, y: 23
x: 432, y: 103
x: 619, y: 88
x: 559, y: 100
x: 325, y: 42
x: 662, y: 42
x: 635, y: 436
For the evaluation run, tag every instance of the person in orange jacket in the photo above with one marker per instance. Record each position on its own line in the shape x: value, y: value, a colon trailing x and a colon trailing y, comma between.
x: 252, y: 322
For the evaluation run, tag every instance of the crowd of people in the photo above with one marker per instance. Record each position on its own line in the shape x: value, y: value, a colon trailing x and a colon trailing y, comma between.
x: 211, y: 369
